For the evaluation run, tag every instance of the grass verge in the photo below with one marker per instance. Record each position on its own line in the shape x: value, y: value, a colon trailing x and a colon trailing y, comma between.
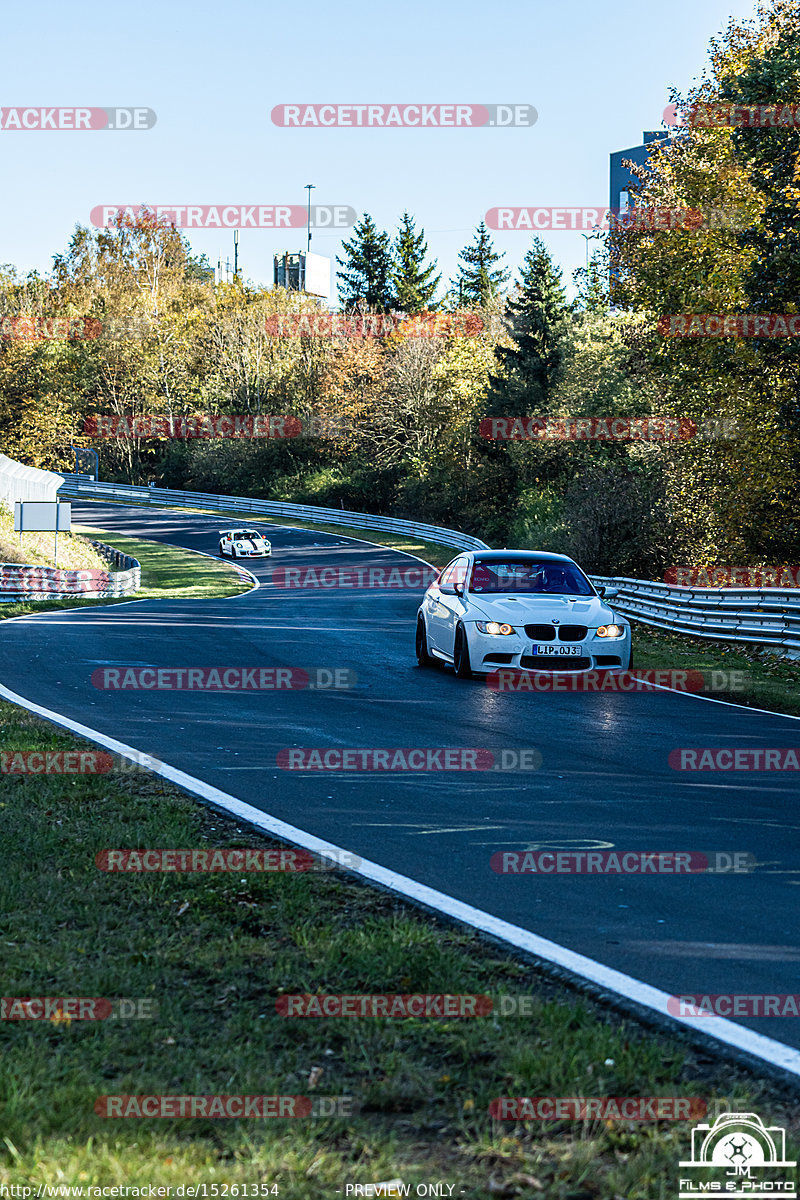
x: 214, y: 951
x: 36, y: 549
x: 168, y: 573
x: 767, y: 681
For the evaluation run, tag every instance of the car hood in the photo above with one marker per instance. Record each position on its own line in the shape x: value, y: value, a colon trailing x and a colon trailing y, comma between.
x: 539, y: 610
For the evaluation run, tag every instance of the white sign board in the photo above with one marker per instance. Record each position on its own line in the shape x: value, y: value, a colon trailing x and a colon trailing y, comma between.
x: 318, y: 275
x: 37, y: 516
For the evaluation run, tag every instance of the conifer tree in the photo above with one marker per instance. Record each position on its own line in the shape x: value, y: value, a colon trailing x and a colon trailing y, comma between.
x: 537, y: 320
x: 478, y: 281
x: 366, y: 268
x: 414, y: 288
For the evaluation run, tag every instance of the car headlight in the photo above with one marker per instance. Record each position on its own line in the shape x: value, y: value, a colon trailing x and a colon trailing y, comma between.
x: 610, y: 631
x: 494, y: 627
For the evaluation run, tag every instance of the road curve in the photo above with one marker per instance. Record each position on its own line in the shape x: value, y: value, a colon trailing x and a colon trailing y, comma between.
x: 604, y: 782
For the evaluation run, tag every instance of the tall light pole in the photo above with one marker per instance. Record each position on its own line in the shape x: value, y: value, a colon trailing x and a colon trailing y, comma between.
x: 588, y: 237
x: 309, y: 186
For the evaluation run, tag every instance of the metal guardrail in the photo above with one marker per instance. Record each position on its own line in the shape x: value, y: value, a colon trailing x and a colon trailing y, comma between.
x: 77, y: 486
x: 760, y: 616
x: 27, y: 581
x: 126, y: 578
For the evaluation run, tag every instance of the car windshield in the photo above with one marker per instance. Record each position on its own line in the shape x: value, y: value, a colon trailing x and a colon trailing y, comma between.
x: 247, y: 533
x: 528, y: 575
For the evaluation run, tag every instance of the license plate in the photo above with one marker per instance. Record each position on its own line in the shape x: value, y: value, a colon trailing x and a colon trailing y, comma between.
x: 548, y: 651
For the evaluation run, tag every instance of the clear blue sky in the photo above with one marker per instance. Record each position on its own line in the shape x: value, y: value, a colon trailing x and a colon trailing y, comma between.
x: 598, y: 75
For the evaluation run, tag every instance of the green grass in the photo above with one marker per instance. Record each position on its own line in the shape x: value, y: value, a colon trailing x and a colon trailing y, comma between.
x: 215, y: 951
x: 771, y: 683
x: 36, y: 549
x: 168, y: 573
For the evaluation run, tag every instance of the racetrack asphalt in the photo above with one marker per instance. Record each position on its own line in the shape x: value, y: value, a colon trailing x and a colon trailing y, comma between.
x: 604, y: 783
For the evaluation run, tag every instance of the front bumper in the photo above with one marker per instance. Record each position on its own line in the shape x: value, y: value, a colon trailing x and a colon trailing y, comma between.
x: 490, y: 652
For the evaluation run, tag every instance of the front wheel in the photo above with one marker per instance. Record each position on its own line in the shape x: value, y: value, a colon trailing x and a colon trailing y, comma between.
x: 461, y: 661
x: 423, y: 657
x: 234, y: 552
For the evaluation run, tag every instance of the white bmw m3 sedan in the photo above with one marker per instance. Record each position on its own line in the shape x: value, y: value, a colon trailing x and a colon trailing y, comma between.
x: 520, y: 608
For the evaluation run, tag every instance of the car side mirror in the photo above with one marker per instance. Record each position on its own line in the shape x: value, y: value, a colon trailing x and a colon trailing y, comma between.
x: 608, y: 593
x: 458, y: 588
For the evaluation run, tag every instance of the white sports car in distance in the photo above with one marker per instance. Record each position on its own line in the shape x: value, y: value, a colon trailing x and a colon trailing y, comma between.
x: 244, y: 543
x: 520, y: 608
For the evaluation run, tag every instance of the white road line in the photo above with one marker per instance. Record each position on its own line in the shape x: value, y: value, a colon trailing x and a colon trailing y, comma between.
x: 719, y: 1029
